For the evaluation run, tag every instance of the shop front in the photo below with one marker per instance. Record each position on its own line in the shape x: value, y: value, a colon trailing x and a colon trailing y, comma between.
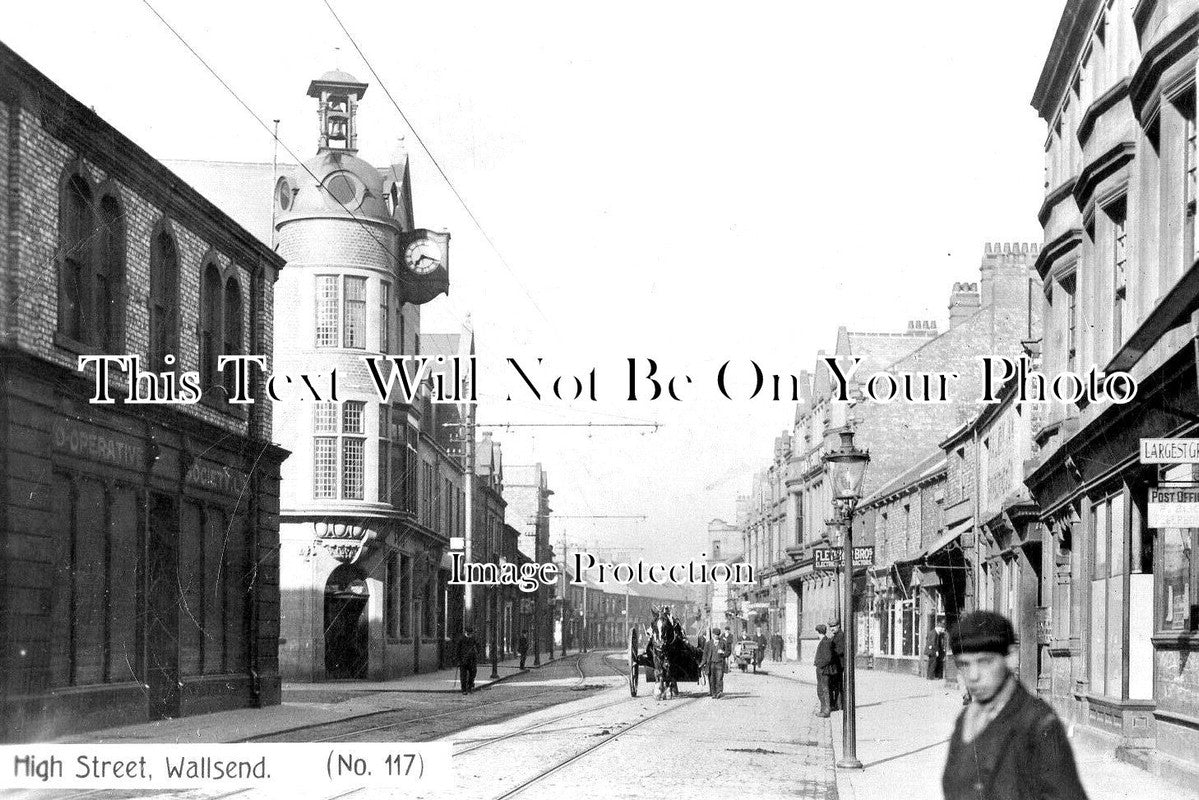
x: 137, y: 534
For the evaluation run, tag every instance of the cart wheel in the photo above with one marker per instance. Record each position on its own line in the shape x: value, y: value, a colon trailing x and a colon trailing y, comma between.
x: 634, y: 668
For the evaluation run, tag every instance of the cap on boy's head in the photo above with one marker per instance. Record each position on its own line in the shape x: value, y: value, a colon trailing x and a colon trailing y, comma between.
x: 982, y: 632
x: 834, y: 623
x: 821, y: 628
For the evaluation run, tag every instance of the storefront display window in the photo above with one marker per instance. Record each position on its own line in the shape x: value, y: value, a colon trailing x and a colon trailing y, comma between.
x: 1179, y: 579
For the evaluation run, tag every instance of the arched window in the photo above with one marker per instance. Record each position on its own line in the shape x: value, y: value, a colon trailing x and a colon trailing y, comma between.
x: 233, y: 321
x: 164, y: 298
x: 75, y: 224
x: 110, y: 276
x: 210, y: 325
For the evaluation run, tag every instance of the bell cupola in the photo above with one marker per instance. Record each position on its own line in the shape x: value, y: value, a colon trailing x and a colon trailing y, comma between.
x: 338, y: 93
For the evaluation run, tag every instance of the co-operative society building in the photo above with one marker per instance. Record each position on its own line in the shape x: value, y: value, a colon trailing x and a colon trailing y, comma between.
x: 138, y: 543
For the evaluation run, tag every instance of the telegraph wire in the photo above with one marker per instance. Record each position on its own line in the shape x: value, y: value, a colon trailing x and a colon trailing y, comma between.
x: 436, y: 163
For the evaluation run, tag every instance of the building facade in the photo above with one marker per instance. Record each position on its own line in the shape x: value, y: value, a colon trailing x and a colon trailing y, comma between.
x: 372, y: 493
x: 1117, y: 271
x: 528, y: 494
x: 139, y: 575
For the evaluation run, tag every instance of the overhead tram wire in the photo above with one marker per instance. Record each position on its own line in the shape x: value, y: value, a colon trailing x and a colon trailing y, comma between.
x: 262, y: 123
x: 383, y: 85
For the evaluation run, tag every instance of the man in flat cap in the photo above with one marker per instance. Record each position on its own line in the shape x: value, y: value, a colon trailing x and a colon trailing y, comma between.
x: 836, y: 681
x: 825, y: 666
x: 1007, y: 744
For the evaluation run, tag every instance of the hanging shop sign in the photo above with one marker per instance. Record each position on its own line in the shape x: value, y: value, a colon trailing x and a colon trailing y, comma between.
x: 832, y: 557
x: 1174, y: 506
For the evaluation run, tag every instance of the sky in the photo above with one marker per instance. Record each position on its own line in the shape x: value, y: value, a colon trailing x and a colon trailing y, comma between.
x: 691, y: 183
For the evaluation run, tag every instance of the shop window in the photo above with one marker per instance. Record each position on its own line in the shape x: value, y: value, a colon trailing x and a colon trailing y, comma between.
x: 1107, y: 526
x: 94, y: 616
x: 1179, y: 580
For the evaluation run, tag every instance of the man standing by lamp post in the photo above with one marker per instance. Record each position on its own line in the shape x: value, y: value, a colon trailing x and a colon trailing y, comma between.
x: 846, y: 468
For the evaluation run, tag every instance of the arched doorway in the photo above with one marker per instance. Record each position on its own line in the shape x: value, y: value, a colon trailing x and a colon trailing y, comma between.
x: 346, y: 623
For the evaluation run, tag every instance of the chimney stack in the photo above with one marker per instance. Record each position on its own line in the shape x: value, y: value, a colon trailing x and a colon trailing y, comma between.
x: 963, y: 303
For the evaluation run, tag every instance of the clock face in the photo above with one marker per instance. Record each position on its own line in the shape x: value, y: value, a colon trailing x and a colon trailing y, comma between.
x: 423, y: 256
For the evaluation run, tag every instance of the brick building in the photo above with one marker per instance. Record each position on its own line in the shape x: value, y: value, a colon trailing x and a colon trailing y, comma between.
x: 139, y: 569
x: 1119, y: 289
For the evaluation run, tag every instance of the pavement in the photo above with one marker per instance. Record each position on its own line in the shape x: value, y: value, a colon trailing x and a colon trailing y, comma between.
x: 306, y: 704
x: 904, y: 724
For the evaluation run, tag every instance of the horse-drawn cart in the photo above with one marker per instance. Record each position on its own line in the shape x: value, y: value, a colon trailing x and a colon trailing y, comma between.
x: 665, y: 655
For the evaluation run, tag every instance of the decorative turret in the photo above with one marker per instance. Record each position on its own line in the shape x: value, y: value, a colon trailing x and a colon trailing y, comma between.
x: 339, y: 93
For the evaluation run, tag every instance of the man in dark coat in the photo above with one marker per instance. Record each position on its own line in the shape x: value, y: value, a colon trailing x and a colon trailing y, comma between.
x: 824, y: 663
x: 468, y: 660
x: 522, y: 648
x: 1007, y: 744
x: 836, y: 685
x: 776, y: 642
x: 760, y: 650
x: 712, y: 664
x: 936, y: 652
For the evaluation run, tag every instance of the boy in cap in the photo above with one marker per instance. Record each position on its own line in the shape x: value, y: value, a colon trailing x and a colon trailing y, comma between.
x: 1006, y: 743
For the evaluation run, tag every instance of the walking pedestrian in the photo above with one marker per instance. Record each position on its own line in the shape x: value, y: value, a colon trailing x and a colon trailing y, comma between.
x: 1007, y: 743
x: 936, y: 652
x: 836, y: 685
x: 727, y: 645
x: 468, y: 660
x: 712, y: 664
x: 760, y: 650
x: 522, y: 647
x: 778, y: 647
x: 824, y: 663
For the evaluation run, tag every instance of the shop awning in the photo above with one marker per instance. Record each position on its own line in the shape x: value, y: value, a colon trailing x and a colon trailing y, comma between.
x: 947, y: 538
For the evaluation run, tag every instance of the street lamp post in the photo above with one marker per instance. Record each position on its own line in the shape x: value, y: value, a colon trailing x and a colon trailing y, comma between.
x: 846, y: 467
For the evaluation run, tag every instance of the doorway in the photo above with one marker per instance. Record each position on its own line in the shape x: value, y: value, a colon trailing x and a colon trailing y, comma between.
x: 346, y: 637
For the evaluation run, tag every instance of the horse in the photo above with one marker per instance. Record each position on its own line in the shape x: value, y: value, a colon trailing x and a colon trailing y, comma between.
x: 664, y: 645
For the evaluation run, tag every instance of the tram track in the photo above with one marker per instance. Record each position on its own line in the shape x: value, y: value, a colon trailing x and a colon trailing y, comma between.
x: 566, y: 762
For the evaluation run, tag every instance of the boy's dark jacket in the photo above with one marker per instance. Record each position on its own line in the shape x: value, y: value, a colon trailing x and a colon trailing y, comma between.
x: 1023, y: 754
